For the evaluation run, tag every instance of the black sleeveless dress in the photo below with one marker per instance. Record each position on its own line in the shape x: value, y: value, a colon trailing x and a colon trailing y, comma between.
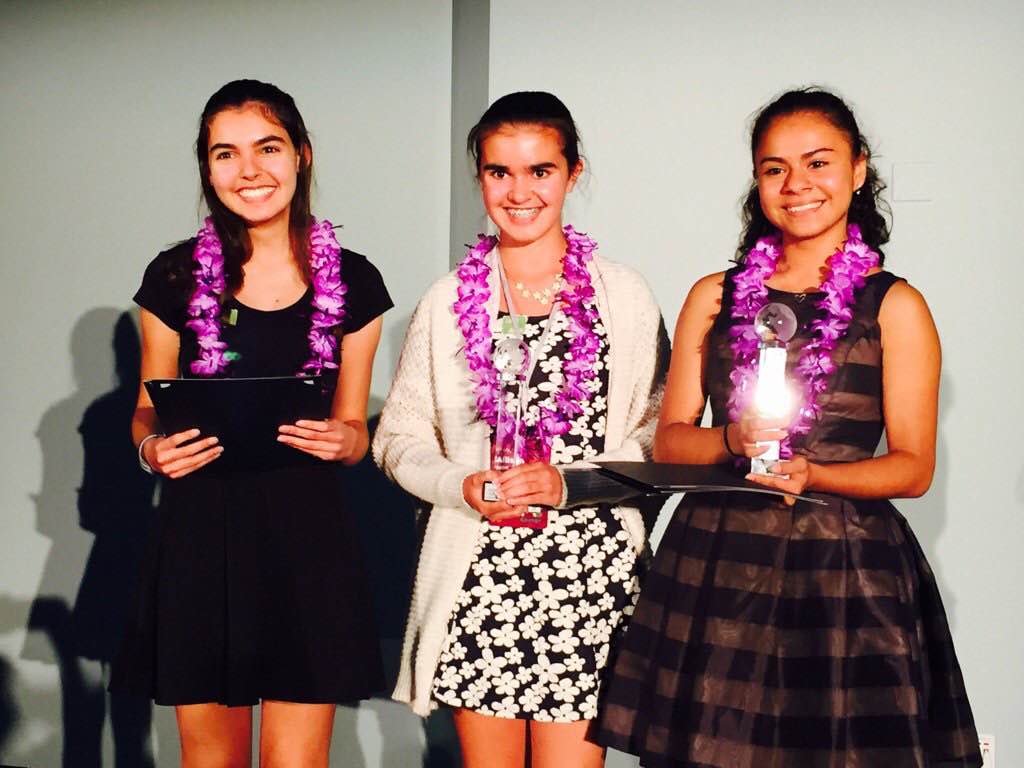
x: 769, y: 636
x: 253, y: 585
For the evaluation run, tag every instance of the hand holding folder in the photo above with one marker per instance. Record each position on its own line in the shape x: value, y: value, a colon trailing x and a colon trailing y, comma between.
x: 244, y: 414
x: 652, y: 478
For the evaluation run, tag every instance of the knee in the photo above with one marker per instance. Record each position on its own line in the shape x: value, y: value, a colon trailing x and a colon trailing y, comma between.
x: 309, y: 755
x: 204, y: 753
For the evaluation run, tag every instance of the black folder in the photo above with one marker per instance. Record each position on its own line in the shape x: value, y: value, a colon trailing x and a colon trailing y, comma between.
x: 652, y: 478
x: 243, y: 414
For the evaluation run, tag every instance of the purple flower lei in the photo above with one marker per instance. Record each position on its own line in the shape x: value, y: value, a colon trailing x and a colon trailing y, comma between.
x: 204, y: 308
x: 576, y: 298
x: 847, y: 269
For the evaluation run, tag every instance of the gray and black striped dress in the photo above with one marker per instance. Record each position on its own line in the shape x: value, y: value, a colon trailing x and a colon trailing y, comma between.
x: 769, y: 636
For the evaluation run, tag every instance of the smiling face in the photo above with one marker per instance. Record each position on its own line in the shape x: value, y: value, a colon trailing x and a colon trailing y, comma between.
x: 253, y: 165
x: 524, y: 178
x: 806, y: 178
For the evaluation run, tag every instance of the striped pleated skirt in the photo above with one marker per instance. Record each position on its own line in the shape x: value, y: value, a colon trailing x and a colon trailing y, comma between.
x: 769, y: 636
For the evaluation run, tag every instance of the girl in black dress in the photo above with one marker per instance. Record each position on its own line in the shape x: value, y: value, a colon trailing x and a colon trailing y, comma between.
x: 253, y: 590
x: 774, y: 634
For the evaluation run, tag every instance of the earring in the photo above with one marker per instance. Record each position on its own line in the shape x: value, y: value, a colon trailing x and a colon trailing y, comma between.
x: 859, y: 190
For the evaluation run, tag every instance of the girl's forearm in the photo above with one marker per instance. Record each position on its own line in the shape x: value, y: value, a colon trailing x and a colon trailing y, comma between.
x: 682, y: 443
x: 362, y: 442
x: 144, y: 422
x: 897, y: 474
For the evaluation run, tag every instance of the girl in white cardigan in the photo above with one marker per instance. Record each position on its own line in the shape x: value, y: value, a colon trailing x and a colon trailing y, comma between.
x: 513, y: 617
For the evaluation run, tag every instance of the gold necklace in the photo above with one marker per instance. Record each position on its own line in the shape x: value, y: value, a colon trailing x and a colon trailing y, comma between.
x: 543, y: 295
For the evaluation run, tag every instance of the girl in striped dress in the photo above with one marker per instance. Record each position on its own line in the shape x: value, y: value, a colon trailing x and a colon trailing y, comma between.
x: 774, y: 634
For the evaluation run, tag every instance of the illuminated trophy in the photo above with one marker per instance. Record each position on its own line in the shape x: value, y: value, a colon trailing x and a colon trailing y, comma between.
x: 510, y: 446
x: 775, y: 324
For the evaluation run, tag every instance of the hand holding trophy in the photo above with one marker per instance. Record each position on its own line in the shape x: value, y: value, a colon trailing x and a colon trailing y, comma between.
x: 511, y: 446
x: 775, y: 324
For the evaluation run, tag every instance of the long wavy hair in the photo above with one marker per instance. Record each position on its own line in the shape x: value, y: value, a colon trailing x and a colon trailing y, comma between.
x: 867, y: 208
x: 277, y: 106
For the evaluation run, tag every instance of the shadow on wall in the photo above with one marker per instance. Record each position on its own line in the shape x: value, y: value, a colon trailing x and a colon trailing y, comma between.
x: 77, y: 618
x: 928, y: 517
x: 390, y: 532
x: 114, y: 503
x: 8, y: 708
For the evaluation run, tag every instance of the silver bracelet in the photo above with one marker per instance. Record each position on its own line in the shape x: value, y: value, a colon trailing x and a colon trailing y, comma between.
x: 142, y: 444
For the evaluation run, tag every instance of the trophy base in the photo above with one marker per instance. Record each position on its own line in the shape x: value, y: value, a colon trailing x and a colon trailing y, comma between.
x: 489, y: 491
x: 533, y: 517
x: 761, y: 465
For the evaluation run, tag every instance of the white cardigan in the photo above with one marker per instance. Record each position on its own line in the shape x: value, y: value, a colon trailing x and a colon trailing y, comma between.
x: 430, y: 438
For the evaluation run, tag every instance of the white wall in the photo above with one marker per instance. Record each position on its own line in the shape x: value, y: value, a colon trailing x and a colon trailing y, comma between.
x: 663, y: 93
x: 98, y: 112
x: 98, y: 109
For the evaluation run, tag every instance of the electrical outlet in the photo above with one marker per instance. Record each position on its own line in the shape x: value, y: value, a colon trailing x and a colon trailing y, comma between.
x: 987, y: 742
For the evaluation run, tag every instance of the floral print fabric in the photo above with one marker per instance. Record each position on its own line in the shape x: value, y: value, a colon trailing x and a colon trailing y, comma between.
x: 535, y: 621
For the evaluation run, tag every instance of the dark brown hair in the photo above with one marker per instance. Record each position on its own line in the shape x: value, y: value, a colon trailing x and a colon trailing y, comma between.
x: 528, y: 108
x: 867, y: 209
x: 278, y: 106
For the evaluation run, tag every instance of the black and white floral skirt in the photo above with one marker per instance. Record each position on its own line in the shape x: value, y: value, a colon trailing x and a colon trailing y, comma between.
x: 537, y: 617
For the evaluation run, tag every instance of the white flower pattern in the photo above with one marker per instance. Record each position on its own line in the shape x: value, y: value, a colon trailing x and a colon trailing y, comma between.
x: 534, y: 622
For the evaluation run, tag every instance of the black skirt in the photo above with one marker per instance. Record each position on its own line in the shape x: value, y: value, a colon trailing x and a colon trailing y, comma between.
x: 253, y: 588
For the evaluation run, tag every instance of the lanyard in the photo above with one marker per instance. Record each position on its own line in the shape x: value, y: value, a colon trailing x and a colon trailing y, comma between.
x: 532, y: 362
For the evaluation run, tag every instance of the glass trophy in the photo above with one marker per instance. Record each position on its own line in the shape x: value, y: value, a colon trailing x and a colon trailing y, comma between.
x: 510, y: 445
x: 775, y: 324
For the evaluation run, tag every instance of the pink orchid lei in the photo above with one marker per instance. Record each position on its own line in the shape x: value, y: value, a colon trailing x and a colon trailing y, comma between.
x: 204, y: 308
x: 577, y: 301
x: 847, y: 270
